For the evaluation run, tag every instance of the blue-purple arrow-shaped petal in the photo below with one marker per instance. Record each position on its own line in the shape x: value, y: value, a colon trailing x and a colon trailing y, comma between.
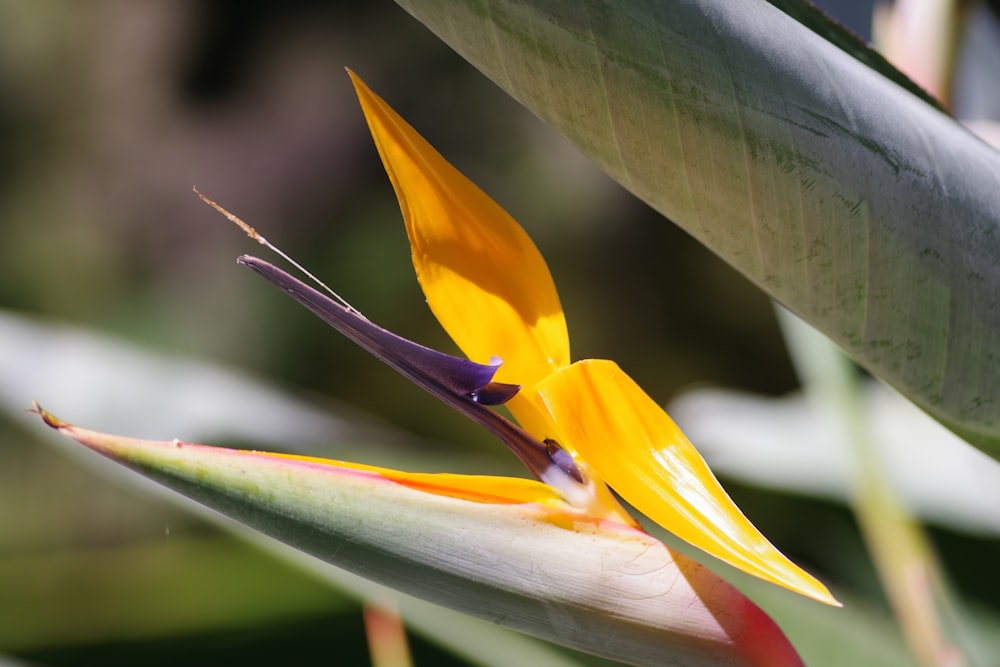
x: 462, y: 384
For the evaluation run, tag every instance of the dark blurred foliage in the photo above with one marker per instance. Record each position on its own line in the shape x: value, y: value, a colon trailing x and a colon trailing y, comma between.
x: 333, y: 640
x: 110, y: 111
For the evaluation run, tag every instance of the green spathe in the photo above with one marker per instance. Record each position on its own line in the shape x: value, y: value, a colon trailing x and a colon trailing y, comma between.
x: 544, y: 569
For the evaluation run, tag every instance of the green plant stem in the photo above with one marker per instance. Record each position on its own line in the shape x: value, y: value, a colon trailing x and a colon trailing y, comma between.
x: 902, y: 554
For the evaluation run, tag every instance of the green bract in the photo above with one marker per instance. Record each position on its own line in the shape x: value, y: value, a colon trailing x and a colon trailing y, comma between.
x: 538, y: 567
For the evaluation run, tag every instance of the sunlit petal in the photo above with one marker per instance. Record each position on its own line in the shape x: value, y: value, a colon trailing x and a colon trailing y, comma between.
x: 483, y: 277
x: 477, y: 488
x: 595, y: 409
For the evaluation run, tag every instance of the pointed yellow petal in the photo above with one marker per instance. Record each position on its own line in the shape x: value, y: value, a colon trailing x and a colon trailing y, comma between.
x: 477, y: 488
x: 483, y: 277
x: 602, y: 414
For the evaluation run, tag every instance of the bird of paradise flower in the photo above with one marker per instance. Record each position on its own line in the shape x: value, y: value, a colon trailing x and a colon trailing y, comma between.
x: 582, y: 427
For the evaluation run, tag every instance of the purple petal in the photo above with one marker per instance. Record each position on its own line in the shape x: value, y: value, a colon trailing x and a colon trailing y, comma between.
x: 460, y: 383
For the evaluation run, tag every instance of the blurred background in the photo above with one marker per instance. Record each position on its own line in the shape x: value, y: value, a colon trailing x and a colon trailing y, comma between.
x: 110, y: 111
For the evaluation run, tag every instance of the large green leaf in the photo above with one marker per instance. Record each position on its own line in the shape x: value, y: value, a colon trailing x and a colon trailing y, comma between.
x: 856, y: 204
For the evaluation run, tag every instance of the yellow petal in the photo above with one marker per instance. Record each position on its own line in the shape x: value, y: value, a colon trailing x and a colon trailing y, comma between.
x: 595, y: 409
x: 484, y: 279
x: 488, y: 489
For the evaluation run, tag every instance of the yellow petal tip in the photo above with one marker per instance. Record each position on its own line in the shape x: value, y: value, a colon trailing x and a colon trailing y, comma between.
x: 483, y: 277
x: 597, y: 410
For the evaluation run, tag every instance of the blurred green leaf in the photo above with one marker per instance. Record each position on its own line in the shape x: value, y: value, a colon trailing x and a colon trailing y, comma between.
x: 127, y: 388
x: 796, y: 445
x: 132, y: 592
x: 857, y: 205
x: 112, y: 381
